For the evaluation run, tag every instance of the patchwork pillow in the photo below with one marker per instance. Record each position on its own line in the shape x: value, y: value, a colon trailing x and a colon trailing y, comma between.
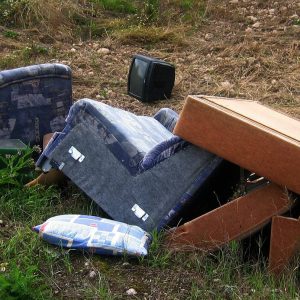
x: 95, y: 235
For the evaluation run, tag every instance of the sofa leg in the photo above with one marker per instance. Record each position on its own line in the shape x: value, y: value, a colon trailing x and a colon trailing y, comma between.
x: 232, y: 221
x: 285, y: 243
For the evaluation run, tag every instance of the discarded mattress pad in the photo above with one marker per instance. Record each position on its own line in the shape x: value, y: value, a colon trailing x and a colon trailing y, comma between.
x: 95, y: 235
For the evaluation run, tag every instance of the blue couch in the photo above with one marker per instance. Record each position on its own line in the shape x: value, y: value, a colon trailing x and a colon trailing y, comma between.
x: 134, y: 167
x: 34, y: 101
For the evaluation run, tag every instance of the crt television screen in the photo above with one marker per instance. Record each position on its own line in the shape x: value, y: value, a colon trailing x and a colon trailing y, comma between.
x: 138, y: 76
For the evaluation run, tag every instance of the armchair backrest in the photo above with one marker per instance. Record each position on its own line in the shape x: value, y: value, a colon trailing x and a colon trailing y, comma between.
x: 34, y: 101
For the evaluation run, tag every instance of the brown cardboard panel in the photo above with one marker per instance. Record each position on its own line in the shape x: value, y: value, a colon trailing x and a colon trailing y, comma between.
x: 246, y: 133
x: 232, y: 221
x: 285, y: 243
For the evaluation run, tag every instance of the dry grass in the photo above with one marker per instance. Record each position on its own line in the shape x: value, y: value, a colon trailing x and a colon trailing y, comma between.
x: 55, y: 18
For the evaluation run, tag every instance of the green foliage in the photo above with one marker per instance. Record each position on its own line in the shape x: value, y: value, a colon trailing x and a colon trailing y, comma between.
x: 18, y: 285
x: 120, y: 6
x: 10, y: 8
x: 296, y: 21
x: 151, y: 9
x: 16, y: 201
x: 16, y: 169
x: 101, y: 289
x: 195, y: 292
x: 34, y: 50
x: 10, y: 34
x: 25, y: 56
x: 25, y: 204
x: 159, y: 256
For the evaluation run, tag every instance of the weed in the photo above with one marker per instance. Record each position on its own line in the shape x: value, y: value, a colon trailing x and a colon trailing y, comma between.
x: 34, y: 50
x: 121, y: 6
x: 54, y: 17
x: 158, y: 256
x: 9, y: 61
x: 151, y: 10
x: 149, y: 35
x: 296, y: 21
x: 18, y: 285
x: 16, y: 169
x: 195, y: 293
x: 10, y: 34
x: 100, y: 289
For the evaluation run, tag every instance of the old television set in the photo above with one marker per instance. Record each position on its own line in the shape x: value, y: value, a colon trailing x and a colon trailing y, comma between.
x: 150, y: 79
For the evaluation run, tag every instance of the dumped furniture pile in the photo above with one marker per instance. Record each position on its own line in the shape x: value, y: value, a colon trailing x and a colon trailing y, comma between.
x: 169, y: 171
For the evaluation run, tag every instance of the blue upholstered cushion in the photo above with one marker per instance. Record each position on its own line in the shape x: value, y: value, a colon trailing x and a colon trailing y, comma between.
x: 167, y: 117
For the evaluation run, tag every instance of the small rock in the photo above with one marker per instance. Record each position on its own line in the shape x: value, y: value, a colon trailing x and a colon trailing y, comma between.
x: 208, y: 36
x: 283, y: 8
x: 125, y: 264
x: 131, y: 292
x: 248, y: 30
x: 234, y: 1
x: 252, y: 18
x: 192, y: 57
x: 73, y: 50
x: 256, y: 25
x: 274, y: 81
x: 226, y: 84
x: 103, y: 51
x: 86, y: 264
x: 271, y: 11
x: 251, y: 59
x: 91, y: 73
x: 92, y: 274
x: 1, y: 222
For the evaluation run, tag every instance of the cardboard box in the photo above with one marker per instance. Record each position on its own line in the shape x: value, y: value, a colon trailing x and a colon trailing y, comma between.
x: 285, y: 243
x: 246, y: 133
x: 232, y: 221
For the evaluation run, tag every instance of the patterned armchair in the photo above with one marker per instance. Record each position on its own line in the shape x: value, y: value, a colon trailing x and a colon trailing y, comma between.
x: 134, y: 167
x: 34, y: 101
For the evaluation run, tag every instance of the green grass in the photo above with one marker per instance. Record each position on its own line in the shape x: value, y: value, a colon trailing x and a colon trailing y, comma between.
x: 29, y: 266
x: 10, y: 34
x: 21, y: 285
x: 120, y: 6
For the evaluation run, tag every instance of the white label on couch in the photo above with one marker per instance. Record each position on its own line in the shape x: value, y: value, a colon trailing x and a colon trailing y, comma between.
x: 76, y: 154
x: 139, y: 212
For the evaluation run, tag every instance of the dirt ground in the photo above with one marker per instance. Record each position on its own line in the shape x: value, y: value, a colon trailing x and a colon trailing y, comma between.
x: 244, y: 48
x: 248, y: 49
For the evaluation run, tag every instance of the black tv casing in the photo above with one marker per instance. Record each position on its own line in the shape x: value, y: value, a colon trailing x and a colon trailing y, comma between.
x: 159, y: 79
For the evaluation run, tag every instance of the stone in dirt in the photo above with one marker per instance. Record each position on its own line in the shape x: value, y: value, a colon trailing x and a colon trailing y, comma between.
x: 103, y: 51
x: 131, y: 292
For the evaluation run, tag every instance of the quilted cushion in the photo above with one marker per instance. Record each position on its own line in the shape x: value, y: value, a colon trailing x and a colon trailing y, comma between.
x: 95, y: 235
